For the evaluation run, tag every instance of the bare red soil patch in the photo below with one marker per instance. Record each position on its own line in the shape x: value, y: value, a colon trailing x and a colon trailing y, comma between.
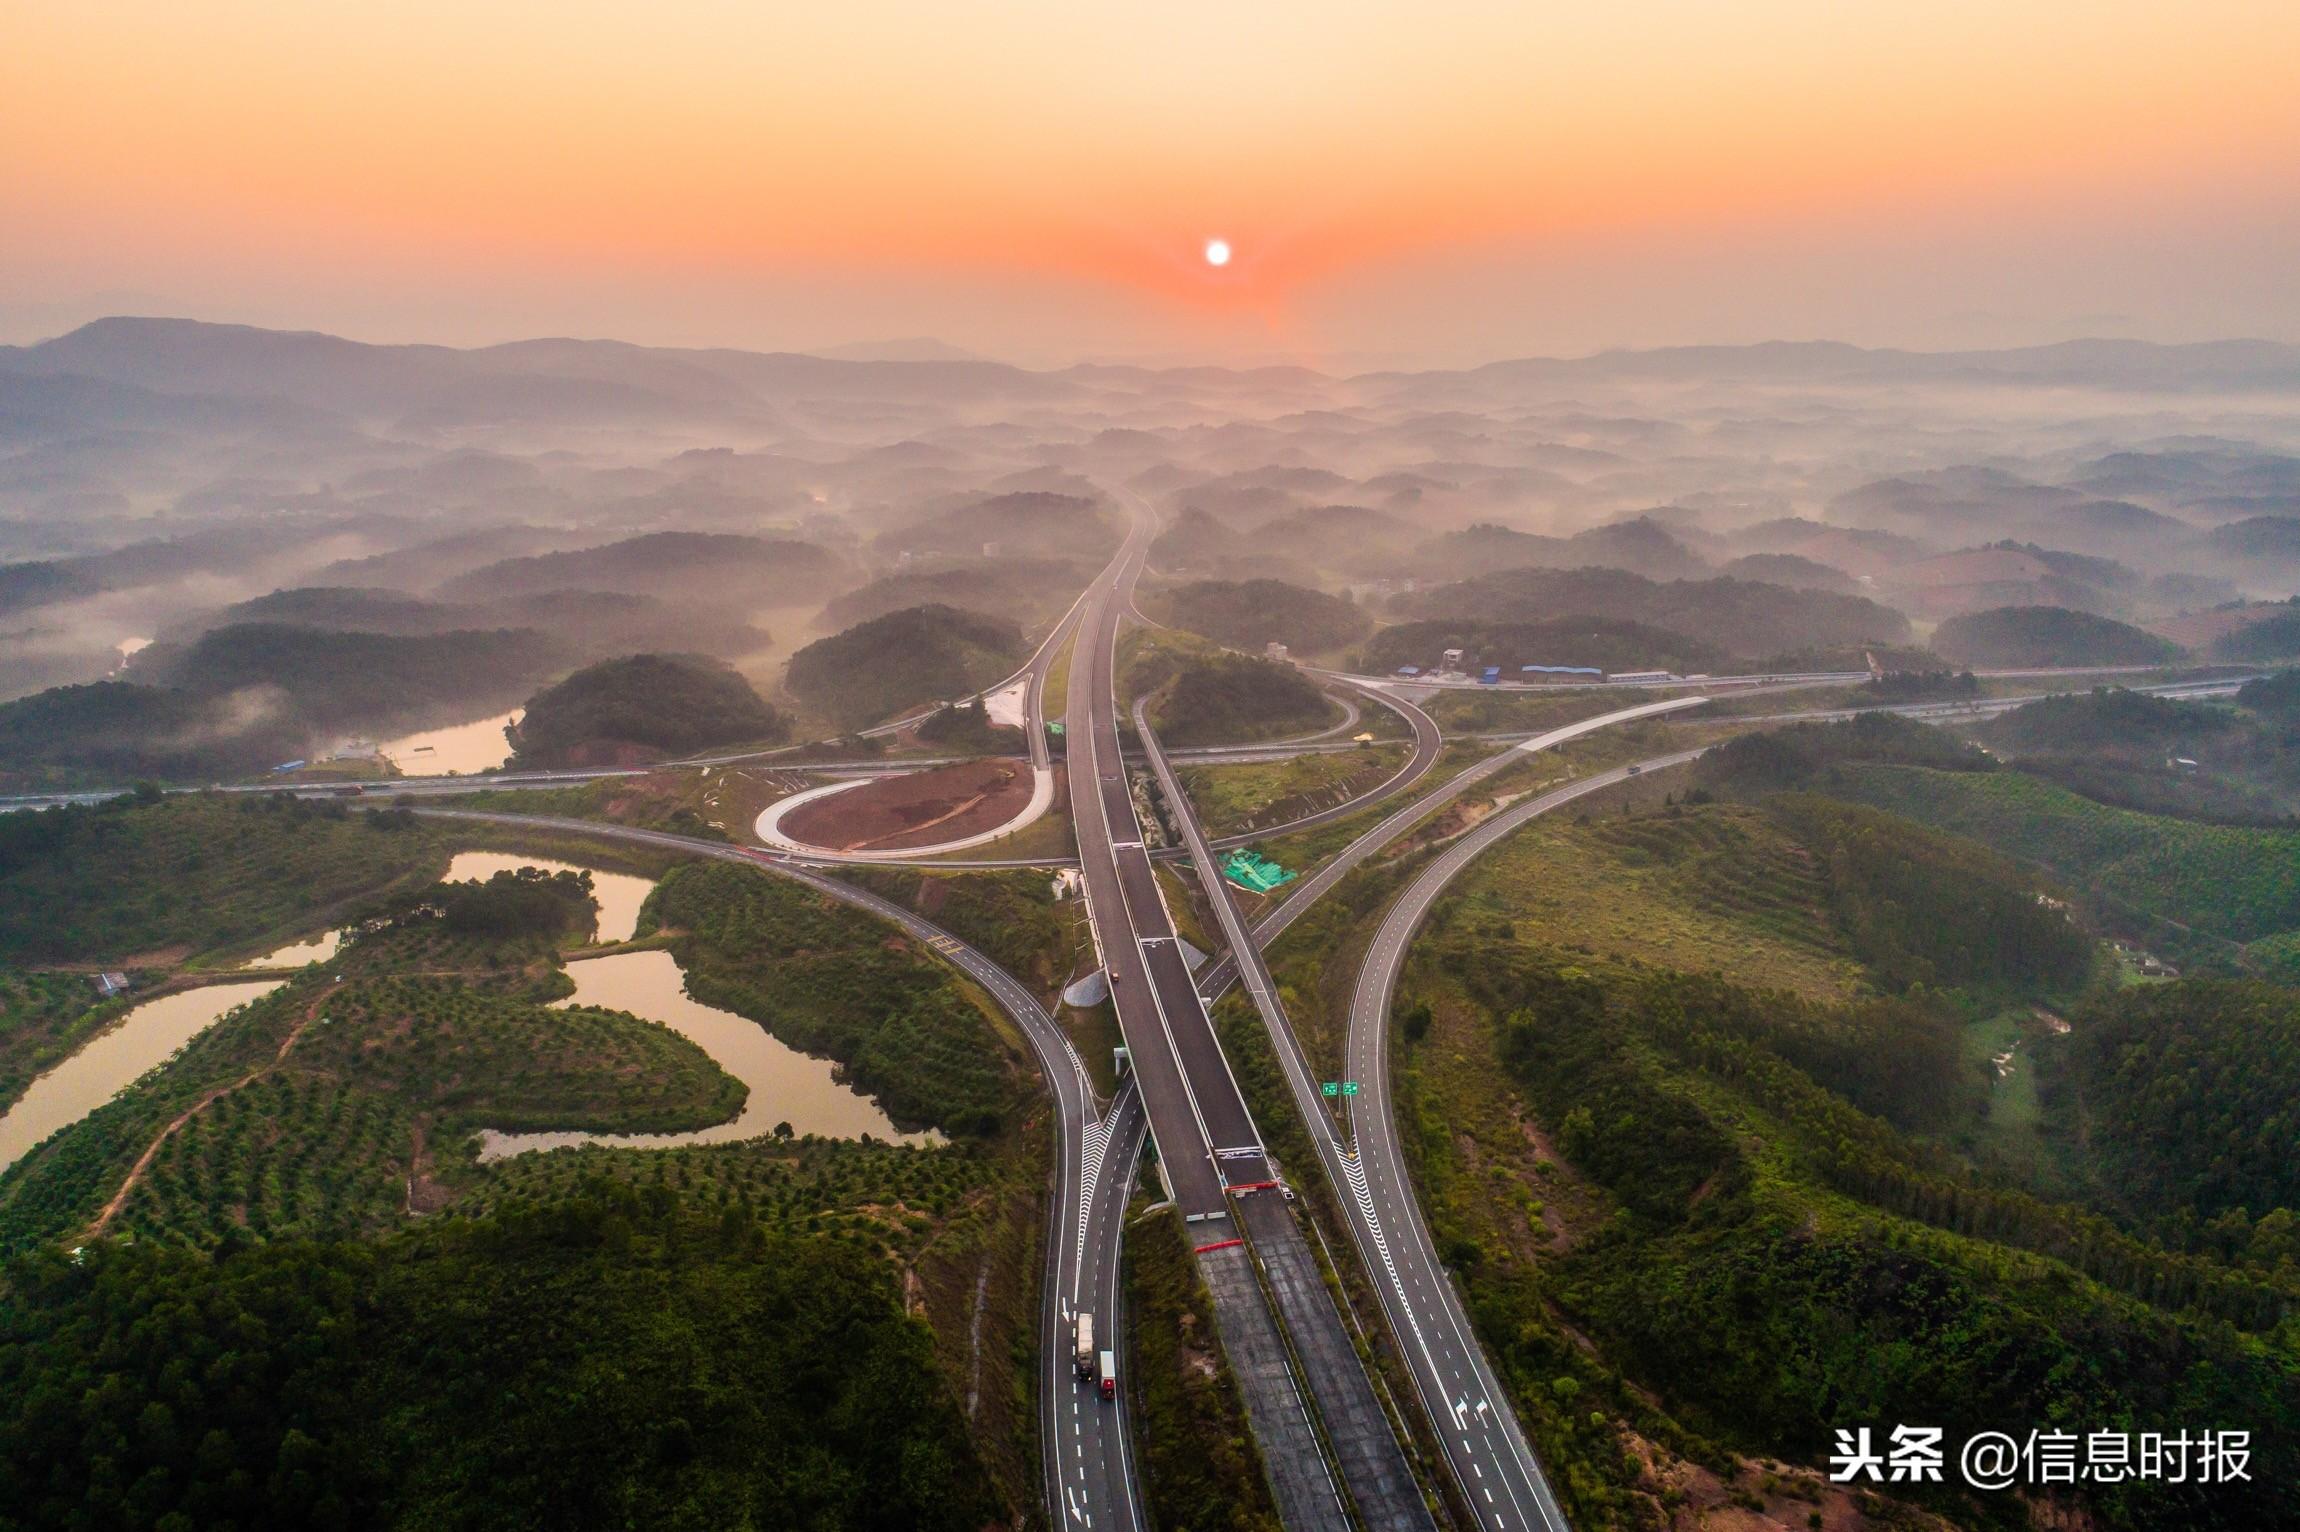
x: 923, y: 808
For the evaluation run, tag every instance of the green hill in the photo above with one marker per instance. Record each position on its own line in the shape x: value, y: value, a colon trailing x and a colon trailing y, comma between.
x: 2016, y: 636
x: 1738, y: 617
x: 2189, y: 759
x: 364, y: 682
x: 1728, y: 1218
x: 2219, y: 881
x: 1233, y: 698
x: 679, y: 566
x: 617, y: 1359
x: 878, y: 668
x: 2271, y: 638
x: 1024, y: 590
x: 2189, y: 1094
x: 1251, y: 613
x: 2275, y: 698
x: 2104, y: 718
x: 118, y: 731
x: 1031, y: 523
x: 1605, y: 643
x: 240, y: 698
x: 1640, y: 545
x: 643, y: 705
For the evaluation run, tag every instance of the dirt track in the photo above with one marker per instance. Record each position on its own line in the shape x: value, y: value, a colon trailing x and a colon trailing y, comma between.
x: 922, y: 809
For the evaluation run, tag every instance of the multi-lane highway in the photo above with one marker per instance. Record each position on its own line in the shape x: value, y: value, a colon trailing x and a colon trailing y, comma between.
x: 1491, y: 1459
x: 1210, y: 1152
x: 1206, y: 1137
x: 1372, y: 1458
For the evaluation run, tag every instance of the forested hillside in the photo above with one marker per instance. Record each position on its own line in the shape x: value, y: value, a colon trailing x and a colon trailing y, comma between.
x: 706, y: 567
x: 2195, y: 760
x: 1250, y: 613
x: 1742, y: 1201
x: 1604, y: 643
x: 2015, y: 636
x: 643, y: 707
x: 1225, y: 698
x: 622, y: 1358
x: 196, y: 871
x: 879, y: 668
x: 2188, y: 1096
x: 1739, y: 617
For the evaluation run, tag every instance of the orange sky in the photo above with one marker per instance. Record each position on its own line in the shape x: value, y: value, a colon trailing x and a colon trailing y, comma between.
x: 1038, y: 178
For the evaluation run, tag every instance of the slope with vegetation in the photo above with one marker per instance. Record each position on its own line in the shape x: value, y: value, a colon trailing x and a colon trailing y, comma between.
x: 2188, y: 1097
x: 1251, y: 613
x: 2036, y: 636
x: 196, y: 872
x: 1601, y: 643
x: 1017, y: 589
x: 1034, y: 523
x: 2275, y: 637
x: 2190, y: 759
x: 688, y: 567
x: 1207, y: 697
x: 240, y: 698
x: 643, y: 707
x: 617, y: 1357
x: 1704, y: 1219
x: 879, y: 668
x: 2198, y: 890
x: 1740, y: 617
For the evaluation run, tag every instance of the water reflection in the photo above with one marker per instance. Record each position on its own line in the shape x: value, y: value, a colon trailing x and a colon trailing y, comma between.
x: 464, y: 747
x: 317, y: 949
x: 619, y: 894
x: 786, y: 1085
x: 137, y: 1043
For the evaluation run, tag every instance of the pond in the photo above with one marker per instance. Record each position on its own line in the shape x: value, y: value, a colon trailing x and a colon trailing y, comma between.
x: 786, y: 1085
x: 143, y: 1039
x: 317, y: 949
x: 464, y: 747
x: 619, y: 893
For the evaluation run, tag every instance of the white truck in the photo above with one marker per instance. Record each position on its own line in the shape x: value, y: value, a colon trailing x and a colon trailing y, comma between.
x: 1109, y: 1374
x: 1083, y: 1356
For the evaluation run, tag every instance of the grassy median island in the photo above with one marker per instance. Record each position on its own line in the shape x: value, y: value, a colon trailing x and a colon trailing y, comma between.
x: 1238, y: 800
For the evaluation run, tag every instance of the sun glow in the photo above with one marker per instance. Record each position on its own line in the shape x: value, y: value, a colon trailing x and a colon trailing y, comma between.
x: 1217, y: 252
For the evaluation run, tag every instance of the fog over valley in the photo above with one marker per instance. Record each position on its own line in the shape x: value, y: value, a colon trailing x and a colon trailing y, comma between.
x: 271, y: 536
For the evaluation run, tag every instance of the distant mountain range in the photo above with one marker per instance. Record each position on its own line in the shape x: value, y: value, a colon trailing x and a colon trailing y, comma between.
x: 569, y: 381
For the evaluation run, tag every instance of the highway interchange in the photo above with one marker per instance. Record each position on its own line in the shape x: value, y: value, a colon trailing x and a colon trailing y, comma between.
x: 1346, y: 1467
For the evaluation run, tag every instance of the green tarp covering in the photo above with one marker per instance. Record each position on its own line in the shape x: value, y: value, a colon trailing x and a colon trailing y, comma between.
x: 1255, y: 874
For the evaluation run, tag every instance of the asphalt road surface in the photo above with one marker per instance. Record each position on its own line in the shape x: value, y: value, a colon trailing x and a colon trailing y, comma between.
x: 1206, y: 1137
x: 1478, y: 1431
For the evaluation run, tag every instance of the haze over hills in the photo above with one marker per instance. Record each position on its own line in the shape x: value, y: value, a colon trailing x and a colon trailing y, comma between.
x: 157, y: 475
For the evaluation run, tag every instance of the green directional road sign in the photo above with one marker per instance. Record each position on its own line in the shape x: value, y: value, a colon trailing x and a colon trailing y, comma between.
x: 1349, y: 1087
x: 1332, y: 1087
